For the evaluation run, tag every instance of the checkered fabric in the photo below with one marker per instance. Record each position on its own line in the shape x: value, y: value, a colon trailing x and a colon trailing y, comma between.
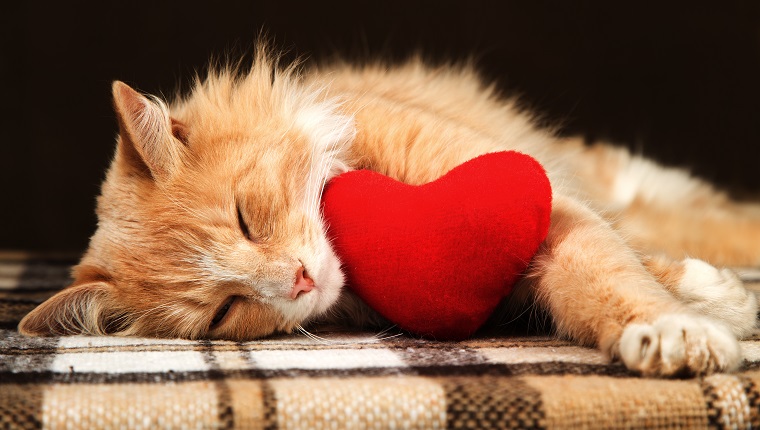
x: 347, y: 379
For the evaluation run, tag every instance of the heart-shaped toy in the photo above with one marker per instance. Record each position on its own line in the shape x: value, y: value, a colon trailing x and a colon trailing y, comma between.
x: 436, y: 259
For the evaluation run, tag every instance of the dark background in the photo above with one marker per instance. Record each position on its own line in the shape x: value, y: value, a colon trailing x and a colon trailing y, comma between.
x: 679, y: 81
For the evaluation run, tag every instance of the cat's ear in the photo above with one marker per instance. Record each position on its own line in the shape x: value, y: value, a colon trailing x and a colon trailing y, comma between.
x: 79, y: 309
x: 151, y: 143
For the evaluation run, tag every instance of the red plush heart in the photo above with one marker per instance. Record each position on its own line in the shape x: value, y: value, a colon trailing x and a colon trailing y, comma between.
x: 437, y: 258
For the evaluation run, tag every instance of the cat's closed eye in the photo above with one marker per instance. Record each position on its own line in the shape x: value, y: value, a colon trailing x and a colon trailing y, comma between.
x: 222, y: 312
x: 242, y: 224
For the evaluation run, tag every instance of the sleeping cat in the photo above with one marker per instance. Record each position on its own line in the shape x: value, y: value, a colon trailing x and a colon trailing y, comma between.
x: 210, y: 226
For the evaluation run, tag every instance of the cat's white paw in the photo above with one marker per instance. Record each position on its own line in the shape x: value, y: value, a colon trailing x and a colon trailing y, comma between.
x: 719, y: 294
x: 679, y: 345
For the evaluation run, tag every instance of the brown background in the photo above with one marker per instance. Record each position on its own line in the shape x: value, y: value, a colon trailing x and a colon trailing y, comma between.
x: 679, y: 81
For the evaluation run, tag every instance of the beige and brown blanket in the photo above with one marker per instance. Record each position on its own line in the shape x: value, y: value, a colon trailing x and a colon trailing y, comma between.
x: 343, y: 379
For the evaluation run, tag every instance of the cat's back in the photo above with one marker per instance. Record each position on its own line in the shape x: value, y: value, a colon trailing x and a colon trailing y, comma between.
x: 420, y: 112
x: 453, y: 92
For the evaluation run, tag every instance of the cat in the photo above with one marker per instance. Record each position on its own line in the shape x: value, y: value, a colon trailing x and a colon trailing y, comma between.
x: 209, y: 220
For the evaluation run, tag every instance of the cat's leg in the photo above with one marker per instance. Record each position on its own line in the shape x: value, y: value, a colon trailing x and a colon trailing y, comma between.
x: 598, y: 292
x: 663, y: 209
x: 707, y: 290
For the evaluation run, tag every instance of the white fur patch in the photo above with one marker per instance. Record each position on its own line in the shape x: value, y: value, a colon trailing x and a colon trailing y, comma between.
x: 644, y: 179
x: 216, y: 272
x: 703, y: 281
x: 718, y: 294
x: 329, y: 133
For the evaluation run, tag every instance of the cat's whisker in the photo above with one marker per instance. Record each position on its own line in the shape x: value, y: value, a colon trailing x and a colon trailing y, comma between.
x: 306, y: 333
x: 381, y: 335
x: 313, y: 336
x: 540, y: 320
x: 393, y: 336
x: 386, y: 330
x: 518, y: 316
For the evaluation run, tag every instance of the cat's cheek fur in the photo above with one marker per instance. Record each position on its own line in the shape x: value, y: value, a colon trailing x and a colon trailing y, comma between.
x: 249, y: 320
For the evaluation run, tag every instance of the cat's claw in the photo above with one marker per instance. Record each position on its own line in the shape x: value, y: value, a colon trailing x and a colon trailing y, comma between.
x: 679, y: 345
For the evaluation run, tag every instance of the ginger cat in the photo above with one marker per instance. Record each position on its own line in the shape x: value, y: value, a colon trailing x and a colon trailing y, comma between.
x: 209, y: 221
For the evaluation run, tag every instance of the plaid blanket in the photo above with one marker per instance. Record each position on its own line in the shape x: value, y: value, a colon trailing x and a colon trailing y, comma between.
x: 338, y: 379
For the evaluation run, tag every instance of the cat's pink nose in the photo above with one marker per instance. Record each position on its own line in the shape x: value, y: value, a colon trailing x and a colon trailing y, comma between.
x: 303, y: 284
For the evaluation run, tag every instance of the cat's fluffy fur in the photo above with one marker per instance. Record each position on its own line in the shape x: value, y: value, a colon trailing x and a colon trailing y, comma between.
x: 217, y: 197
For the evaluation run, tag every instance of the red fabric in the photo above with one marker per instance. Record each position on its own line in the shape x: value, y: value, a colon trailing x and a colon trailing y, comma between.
x: 436, y: 259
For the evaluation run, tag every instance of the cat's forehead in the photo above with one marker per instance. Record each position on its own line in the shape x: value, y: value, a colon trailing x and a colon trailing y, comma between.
x: 258, y: 109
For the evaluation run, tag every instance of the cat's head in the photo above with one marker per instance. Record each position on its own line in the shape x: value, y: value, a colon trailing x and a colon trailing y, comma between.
x: 209, y: 221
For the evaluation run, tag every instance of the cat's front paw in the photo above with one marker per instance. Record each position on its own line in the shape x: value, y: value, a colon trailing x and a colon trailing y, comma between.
x: 679, y: 345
